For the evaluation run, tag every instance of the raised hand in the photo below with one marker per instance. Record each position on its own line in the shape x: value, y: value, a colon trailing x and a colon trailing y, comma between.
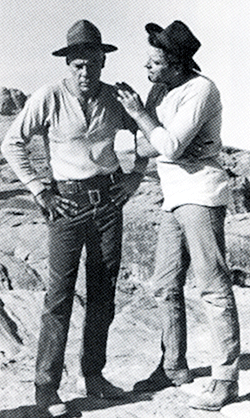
x: 130, y: 100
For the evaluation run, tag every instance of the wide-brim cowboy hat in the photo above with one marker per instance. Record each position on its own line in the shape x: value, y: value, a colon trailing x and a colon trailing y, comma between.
x: 178, y: 39
x: 83, y: 34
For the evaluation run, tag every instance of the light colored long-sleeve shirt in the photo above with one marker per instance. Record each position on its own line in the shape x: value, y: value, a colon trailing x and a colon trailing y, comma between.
x: 77, y: 149
x: 190, y: 112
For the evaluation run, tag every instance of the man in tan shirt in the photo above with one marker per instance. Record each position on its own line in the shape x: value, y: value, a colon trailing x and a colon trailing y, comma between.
x: 78, y: 118
x: 184, y: 128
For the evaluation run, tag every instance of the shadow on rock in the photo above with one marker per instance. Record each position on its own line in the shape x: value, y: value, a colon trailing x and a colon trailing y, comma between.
x: 244, y: 364
x: 244, y: 361
x: 7, y: 194
x: 153, y: 174
x: 79, y: 405
x: 19, y: 203
x: 23, y: 412
x: 76, y: 406
x: 8, y: 326
x: 201, y: 371
x: 244, y: 398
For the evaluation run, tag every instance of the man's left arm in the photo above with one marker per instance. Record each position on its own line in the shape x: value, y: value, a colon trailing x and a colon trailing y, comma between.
x: 130, y: 182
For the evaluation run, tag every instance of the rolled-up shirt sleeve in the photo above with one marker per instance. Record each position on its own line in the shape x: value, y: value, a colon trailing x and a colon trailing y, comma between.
x: 193, y: 111
x: 30, y: 121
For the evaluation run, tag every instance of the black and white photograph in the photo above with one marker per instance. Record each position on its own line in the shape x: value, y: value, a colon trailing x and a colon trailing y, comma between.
x: 125, y: 209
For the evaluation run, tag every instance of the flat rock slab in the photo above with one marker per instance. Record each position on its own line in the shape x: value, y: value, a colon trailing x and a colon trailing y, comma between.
x: 134, y: 339
x: 238, y: 225
x: 133, y: 353
x: 241, y: 410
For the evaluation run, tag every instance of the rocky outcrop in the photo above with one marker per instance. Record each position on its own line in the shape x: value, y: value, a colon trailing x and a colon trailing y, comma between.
x: 237, y: 164
x: 11, y: 101
x: 134, y: 339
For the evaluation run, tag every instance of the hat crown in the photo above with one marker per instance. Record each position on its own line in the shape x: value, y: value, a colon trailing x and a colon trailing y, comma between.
x: 180, y: 35
x: 176, y: 37
x: 83, y: 32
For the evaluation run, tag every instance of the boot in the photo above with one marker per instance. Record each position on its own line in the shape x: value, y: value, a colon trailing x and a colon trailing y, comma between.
x: 48, y: 400
x: 99, y: 387
x: 218, y: 394
x: 180, y: 377
x: 161, y: 379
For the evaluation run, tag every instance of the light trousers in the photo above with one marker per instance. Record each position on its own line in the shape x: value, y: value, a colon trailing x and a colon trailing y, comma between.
x: 193, y: 233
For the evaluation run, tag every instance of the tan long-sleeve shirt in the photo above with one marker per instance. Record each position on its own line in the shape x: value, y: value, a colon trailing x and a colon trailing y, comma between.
x: 190, y: 112
x: 78, y: 149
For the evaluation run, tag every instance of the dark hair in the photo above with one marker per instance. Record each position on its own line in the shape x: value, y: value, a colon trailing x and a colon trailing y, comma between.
x: 172, y: 57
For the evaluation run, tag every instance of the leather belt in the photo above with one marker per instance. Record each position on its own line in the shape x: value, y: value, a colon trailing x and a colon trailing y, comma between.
x: 94, y: 190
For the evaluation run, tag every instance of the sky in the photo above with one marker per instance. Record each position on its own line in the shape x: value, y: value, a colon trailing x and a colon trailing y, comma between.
x: 31, y: 29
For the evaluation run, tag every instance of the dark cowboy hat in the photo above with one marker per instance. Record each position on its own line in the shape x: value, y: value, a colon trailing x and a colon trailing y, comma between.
x: 81, y: 35
x: 178, y: 39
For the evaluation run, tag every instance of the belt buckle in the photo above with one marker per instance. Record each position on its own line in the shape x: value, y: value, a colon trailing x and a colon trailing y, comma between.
x: 94, y: 197
x: 71, y: 186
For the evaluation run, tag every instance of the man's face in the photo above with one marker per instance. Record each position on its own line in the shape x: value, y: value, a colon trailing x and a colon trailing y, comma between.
x: 159, y: 70
x: 86, y: 70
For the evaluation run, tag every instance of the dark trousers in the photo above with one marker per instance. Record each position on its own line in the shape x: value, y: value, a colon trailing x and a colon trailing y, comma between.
x: 102, y: 236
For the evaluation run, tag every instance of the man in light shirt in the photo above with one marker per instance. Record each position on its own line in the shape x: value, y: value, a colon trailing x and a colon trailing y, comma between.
x: 78, y: 118
x: 182, y: 122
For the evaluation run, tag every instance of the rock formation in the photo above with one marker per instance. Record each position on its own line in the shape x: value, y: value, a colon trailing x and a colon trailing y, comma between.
x: 11, y: 101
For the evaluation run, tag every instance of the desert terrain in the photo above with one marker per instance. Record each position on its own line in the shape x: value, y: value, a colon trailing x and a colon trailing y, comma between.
x: 134, y: 339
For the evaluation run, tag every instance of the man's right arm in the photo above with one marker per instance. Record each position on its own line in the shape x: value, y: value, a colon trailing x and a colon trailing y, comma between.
x: 30, y: 121
x: 33, y: 119
x: 194, y: 110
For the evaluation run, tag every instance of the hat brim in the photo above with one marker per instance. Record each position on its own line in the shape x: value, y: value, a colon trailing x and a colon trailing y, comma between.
x: 156, y: 29
x: 63, y: 52
x: 153, y: 28
x: 195, y: 66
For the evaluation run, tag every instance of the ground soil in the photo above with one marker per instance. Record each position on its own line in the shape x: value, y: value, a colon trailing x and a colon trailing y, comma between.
x: 134, y: 339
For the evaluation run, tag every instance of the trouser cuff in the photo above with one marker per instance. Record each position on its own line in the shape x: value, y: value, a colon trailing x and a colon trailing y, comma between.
x: 224, y: 373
